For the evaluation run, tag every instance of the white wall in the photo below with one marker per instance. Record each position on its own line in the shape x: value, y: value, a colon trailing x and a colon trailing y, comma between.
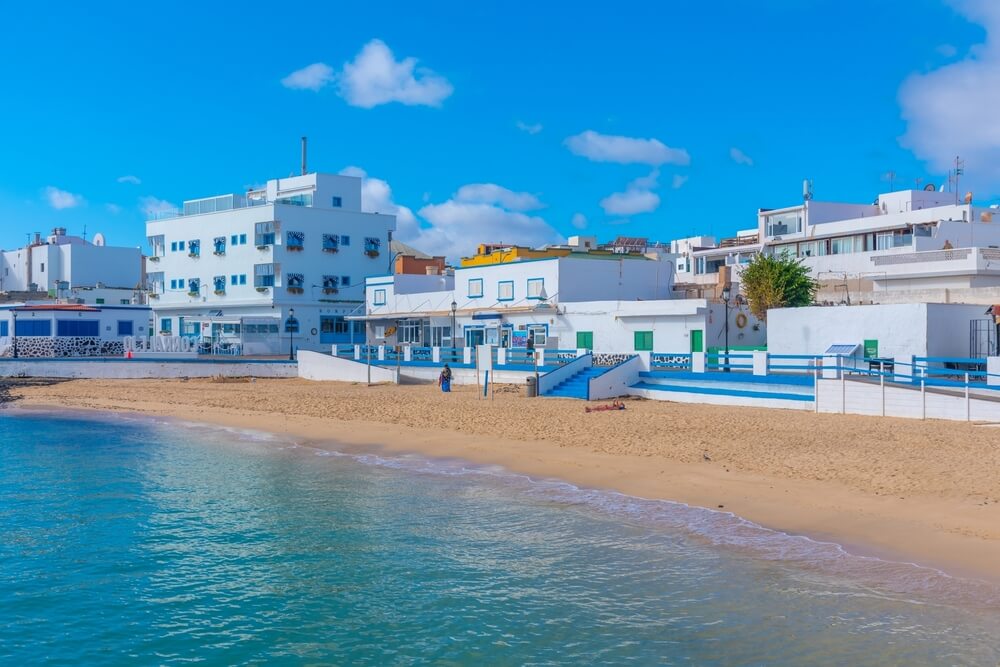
x: 327, y: 368
x: 901, y: 329
x: 100, y: 367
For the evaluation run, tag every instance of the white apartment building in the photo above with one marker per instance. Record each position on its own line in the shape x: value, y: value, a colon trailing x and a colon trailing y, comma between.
x: 230, y: 269
x: 907, y: 240
x: 62, y: 262
x: 604, y: 303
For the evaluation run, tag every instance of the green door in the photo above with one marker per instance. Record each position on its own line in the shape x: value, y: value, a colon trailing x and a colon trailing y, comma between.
x: 696, y: 340
x: 585, y: 340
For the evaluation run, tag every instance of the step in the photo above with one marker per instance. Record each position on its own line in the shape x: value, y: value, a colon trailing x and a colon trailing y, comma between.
x: 694, y: 389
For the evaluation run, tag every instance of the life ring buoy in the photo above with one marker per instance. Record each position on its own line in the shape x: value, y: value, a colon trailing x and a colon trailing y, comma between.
x: 741, y: 320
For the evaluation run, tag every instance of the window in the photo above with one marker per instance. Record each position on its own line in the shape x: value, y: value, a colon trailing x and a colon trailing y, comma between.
x: 643, y: 341
x: 33, y: 328
x: 194, y: 286
x: 194, y: 248
x: 295, y: 281
x: 783, y: 223
x: 475, y: 288
x: 330, y: 284
x: 585, y: 340
x: 337, y: 202
x: 345, y: 281
x: 243, y: 279
x: 124, y: 302
x: 219, y: 245
x: 77, y: 328
x: 180, y: 245
x: 379, y: 298
x: 234, y: 279
x: 505, y: 290
x: 409, y: 331
x: 166, y: 325
x: 264, y: 234
x: 98, y: 301
x: 173, y: 284
x: 334, y: 325
x: 43, y: 268
x: 331, y: 243
x: 125, y: 327
x: 263, y: 275
x: 4, y: 329
x: 812, y: 249
x: 219, y: 282
x: 845, y: 245
x: 537, y: 333
x: 536, y: 288
x: 295, y: 240
x: 345, y: 240
x: 372, y: 245
x: 173, y: 246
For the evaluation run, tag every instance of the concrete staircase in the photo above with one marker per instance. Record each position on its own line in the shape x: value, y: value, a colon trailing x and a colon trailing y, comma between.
x: 576, y: 386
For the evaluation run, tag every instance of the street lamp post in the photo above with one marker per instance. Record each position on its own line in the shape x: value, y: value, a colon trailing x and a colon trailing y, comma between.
x: 291, y: 334
x: 13, y: 339
x: 454, y: 310
x: 725, y: 300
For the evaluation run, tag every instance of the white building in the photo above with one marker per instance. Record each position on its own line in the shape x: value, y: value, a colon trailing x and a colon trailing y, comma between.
x: 231, y: 268
x: 44, y: 329
x: 607, y: 304
x: 62, y: 262
x: 906, y: 241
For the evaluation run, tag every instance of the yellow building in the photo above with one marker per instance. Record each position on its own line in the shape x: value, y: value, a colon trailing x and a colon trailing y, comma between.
x: 487, y: 254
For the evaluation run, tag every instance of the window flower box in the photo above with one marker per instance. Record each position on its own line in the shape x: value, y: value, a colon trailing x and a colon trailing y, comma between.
x: 154, y: 258
x: 262, y: 290
x: 330, y: 290
x: 194, y: 294
x: 295, y: 290
x: 331, y: 249
x: 219, y: 253
x: 263, y: 246
x: 372, y: 253
x: 293, y: 248
x: 154, y: 295
x: 220, y: 292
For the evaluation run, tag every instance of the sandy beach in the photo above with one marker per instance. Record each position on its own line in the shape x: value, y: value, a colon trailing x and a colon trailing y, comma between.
x: 922, y: 492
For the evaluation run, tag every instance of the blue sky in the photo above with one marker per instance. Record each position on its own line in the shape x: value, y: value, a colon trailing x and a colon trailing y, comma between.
x: 512, y: 122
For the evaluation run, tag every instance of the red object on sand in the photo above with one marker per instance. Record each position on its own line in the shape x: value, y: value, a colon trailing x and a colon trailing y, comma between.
x: 617, y: 405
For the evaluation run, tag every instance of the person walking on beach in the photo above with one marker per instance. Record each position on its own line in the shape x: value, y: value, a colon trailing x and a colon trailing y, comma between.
x: 445, y: 379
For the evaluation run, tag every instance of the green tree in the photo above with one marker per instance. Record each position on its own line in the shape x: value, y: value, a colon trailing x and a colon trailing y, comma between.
x: 777, y: 282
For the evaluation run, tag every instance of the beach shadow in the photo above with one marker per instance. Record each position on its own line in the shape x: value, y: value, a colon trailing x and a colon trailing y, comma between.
x: 9, y: 386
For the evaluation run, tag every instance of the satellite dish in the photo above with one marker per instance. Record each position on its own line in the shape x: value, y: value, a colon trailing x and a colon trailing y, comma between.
x: 99, y: 239
x: 930, y: 187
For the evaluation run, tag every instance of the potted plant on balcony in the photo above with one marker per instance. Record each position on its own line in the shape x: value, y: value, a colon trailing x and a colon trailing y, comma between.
x: 372, y: 246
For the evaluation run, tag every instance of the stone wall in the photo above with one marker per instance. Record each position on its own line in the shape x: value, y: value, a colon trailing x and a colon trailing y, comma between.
x: 65, y: 346
x: 608, y: 359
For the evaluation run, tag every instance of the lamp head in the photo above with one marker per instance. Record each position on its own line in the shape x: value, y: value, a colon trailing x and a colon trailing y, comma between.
x: 454, y: 306
x: 725, y: 293
x: 291, y: 312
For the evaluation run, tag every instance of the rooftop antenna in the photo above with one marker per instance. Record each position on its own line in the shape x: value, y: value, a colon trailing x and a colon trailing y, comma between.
x: 807, y: 190
x: 84, y: 232
x: 959, y: 171
x: 304, y: 141
x: 891, y: 177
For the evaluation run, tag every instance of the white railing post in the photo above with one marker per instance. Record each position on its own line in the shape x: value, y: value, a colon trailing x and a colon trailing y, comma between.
x: 697, y: 362
x: 407, y: 353
x: 881, y: 377
x: 968, y: 405
x: 760, y: 362
x: 466, y: 355
x: 580, y: 351
x: 436, y: 354
x: 540, y: 357
x: 923, y: 393
x: 501, y: 356
x: 816, y: 392
x: 843, y: 393
x: 381, y: 352
x: 993, y: 371
x: 357, y: 353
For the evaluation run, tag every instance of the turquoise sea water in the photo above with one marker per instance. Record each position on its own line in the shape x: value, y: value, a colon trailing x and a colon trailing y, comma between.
x: 127, y: 541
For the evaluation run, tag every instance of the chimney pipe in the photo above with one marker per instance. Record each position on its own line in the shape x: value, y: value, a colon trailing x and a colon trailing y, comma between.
x: 304, y: 156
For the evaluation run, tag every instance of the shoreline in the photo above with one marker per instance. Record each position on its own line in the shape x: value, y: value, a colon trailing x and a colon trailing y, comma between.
x: 944, y: 531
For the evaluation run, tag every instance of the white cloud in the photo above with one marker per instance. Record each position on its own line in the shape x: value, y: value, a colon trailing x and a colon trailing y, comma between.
x: 454, y: 227
x: 532, y: 128
x: 150, y: 206
x: 457, y: 227
x: 133, y: 180
x: 630, y: 202
x: 491, y: 193
x: 679, y: 181
x: 376, y: 197
x: 637, y: 198
x: 952, y: 110
x: 311, y: 77
x: 625, y: 150
x: 579, y: 221
x: 739, y: 157
x: 113, y: 209
x: 375, y: 77
x: 60, y: 199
